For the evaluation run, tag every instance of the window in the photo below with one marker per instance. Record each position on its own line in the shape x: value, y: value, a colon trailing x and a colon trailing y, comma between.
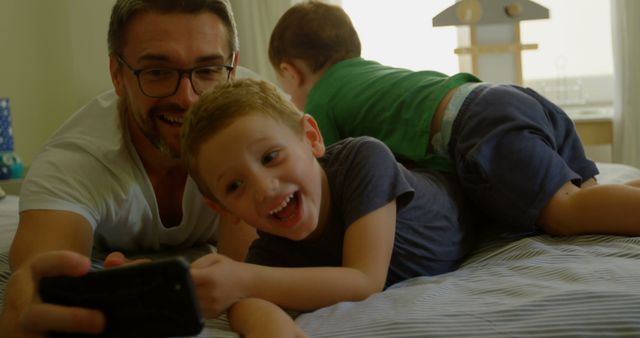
x: 572, y: 65
x: 399, y: 33
x: 575, y: 41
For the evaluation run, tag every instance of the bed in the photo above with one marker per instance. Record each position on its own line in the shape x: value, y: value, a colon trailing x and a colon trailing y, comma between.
x: 540, y: 286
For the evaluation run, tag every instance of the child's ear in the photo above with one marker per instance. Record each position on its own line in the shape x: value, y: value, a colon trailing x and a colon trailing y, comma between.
x: 292, y: 73
x: 222, y: 211
x: 313, y: 135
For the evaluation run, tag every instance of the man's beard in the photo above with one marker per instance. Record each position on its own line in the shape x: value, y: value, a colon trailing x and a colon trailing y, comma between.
x: 149, y: 128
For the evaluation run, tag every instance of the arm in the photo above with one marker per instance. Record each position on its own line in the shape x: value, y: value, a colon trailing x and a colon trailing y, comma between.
x: 368, y: 244
x: 234, y: 238
x: 40, y: 232
x: 367, y: 249
x: 253, y: 318
x: 45, y: 230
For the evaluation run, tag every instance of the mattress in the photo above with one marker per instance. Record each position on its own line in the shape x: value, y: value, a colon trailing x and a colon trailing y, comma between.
x: 539, y: 286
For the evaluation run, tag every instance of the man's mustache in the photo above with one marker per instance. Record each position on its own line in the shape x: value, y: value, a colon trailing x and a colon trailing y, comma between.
x: 172, y: 107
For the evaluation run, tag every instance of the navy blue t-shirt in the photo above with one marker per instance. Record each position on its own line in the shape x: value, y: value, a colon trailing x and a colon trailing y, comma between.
x: 433, y: 225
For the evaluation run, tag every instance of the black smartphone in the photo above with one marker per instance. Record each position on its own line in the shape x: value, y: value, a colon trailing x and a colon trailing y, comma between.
x: 154, y: 299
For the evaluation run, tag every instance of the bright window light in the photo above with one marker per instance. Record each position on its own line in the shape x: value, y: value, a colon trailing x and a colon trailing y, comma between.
x: 399, y: 33
x: 574, y: 42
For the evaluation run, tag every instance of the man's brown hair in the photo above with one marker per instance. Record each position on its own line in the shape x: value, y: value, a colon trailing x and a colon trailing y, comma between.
x: 124, y: 10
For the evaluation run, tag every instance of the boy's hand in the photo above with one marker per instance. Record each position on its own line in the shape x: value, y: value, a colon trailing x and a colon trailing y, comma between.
x: 258, y: 318
x: 24, y: 315
x: 219, y: 283
x: 117, y: 258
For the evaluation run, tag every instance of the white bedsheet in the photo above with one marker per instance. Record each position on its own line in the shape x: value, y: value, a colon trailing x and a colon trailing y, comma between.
x: 534, y: 287
x: 538, y: 286
x: 8, y: 220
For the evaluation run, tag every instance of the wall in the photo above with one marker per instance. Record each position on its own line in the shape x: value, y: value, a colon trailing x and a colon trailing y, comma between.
x: 53, y: 60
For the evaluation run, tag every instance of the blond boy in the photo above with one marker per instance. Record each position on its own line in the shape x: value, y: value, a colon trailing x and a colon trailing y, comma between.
x: 335, y: 224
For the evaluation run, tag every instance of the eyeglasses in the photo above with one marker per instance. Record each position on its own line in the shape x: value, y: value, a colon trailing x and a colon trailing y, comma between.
x: 164, y: 82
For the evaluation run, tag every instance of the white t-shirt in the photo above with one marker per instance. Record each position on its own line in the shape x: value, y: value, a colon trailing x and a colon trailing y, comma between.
x: 90, y: 167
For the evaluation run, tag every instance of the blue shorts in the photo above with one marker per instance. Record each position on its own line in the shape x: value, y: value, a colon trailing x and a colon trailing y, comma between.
x: 513, y: 150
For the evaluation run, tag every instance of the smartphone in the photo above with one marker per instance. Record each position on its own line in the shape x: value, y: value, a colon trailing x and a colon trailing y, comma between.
x: 154, y: 299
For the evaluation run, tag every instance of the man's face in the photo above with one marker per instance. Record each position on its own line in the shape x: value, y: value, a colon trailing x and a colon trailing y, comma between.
x: 179, y: 41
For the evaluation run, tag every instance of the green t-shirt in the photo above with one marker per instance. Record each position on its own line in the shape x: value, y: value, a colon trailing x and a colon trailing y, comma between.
x: 358, y: 97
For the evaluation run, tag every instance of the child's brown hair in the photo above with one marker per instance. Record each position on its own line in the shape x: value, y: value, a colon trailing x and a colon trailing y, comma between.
x: 221, y: 106
x: 317, y: 33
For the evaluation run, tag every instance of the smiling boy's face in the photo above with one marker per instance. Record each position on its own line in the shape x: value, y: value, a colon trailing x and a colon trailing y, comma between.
x: 267, y: 175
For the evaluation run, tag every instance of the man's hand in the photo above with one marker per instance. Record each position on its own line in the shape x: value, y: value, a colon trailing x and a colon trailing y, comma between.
x: 219, y: 283
x: 24, y: 315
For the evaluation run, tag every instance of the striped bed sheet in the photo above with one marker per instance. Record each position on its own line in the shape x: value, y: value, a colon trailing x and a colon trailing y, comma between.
x: 540, y: 286
x: 585, y: 286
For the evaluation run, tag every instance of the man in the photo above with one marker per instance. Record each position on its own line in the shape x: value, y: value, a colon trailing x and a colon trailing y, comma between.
x: 111, y: 178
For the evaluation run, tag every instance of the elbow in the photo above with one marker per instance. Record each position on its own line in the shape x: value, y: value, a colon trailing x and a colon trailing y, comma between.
x: 367, y: 292
x: 371, y: 291
x: 369, y: 286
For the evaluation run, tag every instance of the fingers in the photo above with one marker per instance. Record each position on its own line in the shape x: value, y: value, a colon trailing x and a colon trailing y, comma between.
x: 117, y: 258
x: 205, y: 293
x: 50, y: 317
x: 209, y: 309
x: 199, y: 272
x: 206, y: 261
x: 39, y: 317
x: 205, y: 285
x: 56, y: 263
x: 201, y: 277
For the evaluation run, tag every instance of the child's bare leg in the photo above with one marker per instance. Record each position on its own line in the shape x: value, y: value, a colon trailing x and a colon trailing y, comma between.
x: 592, y: 181
x: 589, y: 183
x: 634, y: 183
x: 593, y: 209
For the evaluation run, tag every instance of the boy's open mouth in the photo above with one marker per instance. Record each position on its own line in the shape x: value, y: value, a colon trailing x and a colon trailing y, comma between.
x: 288, y: 208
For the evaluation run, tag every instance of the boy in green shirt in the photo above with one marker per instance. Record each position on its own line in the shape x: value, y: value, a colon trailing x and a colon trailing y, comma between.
x: 517, y: 155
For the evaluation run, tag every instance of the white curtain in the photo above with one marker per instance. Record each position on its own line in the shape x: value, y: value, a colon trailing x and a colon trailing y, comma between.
x: 626, y: 59
x: 255, y: 20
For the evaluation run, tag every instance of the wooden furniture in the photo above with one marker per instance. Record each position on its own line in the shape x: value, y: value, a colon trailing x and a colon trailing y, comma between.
x: 594, y: 127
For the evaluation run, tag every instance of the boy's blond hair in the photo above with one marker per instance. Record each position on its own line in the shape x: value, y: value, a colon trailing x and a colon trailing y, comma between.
x: 317, y: 33
x: 224, y: 104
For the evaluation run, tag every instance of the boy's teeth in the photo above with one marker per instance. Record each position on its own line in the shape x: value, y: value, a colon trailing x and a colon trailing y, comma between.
x: 282, y: 205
